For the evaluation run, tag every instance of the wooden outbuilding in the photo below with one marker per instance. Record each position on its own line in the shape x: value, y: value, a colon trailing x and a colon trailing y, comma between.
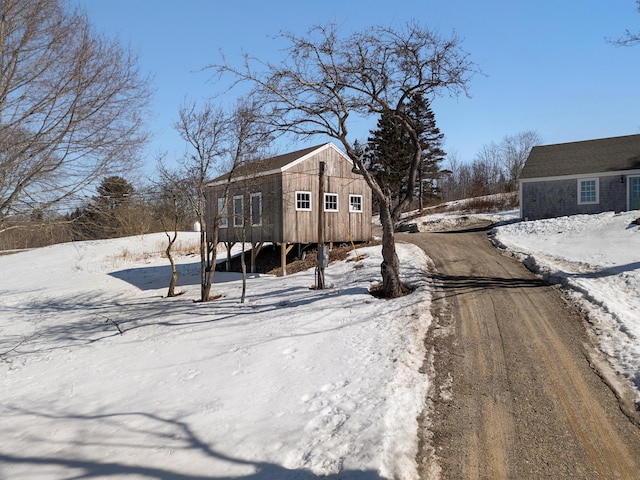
x: 303, y: 197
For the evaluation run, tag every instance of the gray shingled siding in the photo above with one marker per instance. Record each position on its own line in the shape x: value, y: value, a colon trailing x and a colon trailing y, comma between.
x: 548, y: 199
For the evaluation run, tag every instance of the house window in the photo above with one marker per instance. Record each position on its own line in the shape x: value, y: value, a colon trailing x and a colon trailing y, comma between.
x: 303, y: 201
x: 588, y: 191
x: 256, y: 209
x: 330, y: 202
x: 355, y: 203
x: 238, y: 211
x: 223, y: 221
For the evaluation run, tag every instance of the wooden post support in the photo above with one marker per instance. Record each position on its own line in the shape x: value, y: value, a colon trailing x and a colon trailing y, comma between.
x: 255, y: 250
x: 320, y: 268
x: 229, y: 246
x: 283, y: 253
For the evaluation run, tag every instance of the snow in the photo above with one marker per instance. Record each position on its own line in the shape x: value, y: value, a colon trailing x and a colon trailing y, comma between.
x: 292, y: 384
x: 595, y: 257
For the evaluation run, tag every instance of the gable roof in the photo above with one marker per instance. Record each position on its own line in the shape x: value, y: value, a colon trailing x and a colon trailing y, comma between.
x: 578, y: 158
x: 272, y: 165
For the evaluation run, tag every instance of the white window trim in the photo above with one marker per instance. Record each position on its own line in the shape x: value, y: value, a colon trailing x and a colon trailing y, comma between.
x: 253, y: 222
x: 326, y: 195
x: 223, y: 221
x: 353, y: 210
x: 310, y: 201
x: 597, y: 182
x: 238, y: 218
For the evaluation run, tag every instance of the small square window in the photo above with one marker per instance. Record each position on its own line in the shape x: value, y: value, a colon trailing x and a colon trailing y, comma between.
x: 588, y: 191
x: 355, y: 203
x: 303, y: 201
x: 330, y: 202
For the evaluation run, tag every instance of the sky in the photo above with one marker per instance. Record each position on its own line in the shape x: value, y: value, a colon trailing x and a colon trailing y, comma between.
x: 546, y: 65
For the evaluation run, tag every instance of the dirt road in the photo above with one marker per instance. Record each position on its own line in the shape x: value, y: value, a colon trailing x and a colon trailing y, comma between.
x: 515, y: 395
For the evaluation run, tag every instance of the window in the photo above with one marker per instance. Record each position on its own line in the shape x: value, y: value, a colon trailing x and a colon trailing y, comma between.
x: 588, y: 191
x: 330, y: 202
x: 256, y: 209
x: 303, y: 201
x: 238, y: 211
x: 355, y: 203
x: 222, y: 212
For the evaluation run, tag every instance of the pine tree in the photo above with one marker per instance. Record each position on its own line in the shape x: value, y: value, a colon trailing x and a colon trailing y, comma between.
x: 390, y: 149
x: 388, y: 156
x: 111, y: 213
x: 431, y: 141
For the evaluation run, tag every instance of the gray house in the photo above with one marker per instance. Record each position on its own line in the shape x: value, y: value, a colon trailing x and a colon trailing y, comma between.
x: 592, y: 176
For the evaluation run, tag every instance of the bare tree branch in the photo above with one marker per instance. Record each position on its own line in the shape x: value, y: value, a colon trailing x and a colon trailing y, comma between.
x: 629, y: 38
x: 70, y: 105
x: 326, y: 82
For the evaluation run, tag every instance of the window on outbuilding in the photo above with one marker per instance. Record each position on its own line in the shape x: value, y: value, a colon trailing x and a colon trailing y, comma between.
x: 330, y: 202
x: 355, y: 203
x: 222, y: 212
x: 588, y: 191
x: 238, y: 211
x: 303, y: 201
x: 256, y: 209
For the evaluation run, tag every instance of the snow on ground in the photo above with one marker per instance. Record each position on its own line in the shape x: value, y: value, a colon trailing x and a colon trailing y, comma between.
x: 291, y: 384
x: 597, y: 257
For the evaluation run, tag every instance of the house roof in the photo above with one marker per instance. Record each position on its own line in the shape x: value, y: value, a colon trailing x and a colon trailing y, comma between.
x: 270, y: 165
x: 586, y: 157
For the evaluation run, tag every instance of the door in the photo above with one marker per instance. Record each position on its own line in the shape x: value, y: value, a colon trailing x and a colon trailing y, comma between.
x: 634, y: 193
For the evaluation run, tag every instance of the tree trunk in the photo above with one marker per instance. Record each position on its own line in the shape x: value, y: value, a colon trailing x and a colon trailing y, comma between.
x: 204, y: 291
x: 174, y: 270
x: 390, y: 267
x: 243, y: 263
x: 207, y: 263
x: 211, y: 268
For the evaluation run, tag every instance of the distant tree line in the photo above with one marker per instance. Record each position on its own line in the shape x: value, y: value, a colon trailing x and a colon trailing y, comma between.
x: 496, y: 168
x: 117, y: 209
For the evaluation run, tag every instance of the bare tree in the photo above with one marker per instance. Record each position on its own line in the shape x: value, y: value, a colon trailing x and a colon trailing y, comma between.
x: 205, y: 130
x: 514, y: 151
x: 70, y: 105
x: 170, y: 212
x: 486, y: 172
x: 325, y: 82
x: 250, y: 137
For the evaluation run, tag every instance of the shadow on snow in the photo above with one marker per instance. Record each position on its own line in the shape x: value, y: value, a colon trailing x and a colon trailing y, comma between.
x: 160, y: 434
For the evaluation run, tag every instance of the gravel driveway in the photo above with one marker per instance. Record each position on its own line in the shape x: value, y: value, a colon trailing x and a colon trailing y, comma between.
x: 516, y: 394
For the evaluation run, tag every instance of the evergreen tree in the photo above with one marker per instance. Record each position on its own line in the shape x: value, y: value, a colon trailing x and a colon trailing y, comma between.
x: 390, y: 150
x: 112, y: 192
x: 431, y: 142
x: 111, y: 213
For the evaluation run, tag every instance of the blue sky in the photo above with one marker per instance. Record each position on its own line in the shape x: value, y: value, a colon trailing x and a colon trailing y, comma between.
x: 547, y: 65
